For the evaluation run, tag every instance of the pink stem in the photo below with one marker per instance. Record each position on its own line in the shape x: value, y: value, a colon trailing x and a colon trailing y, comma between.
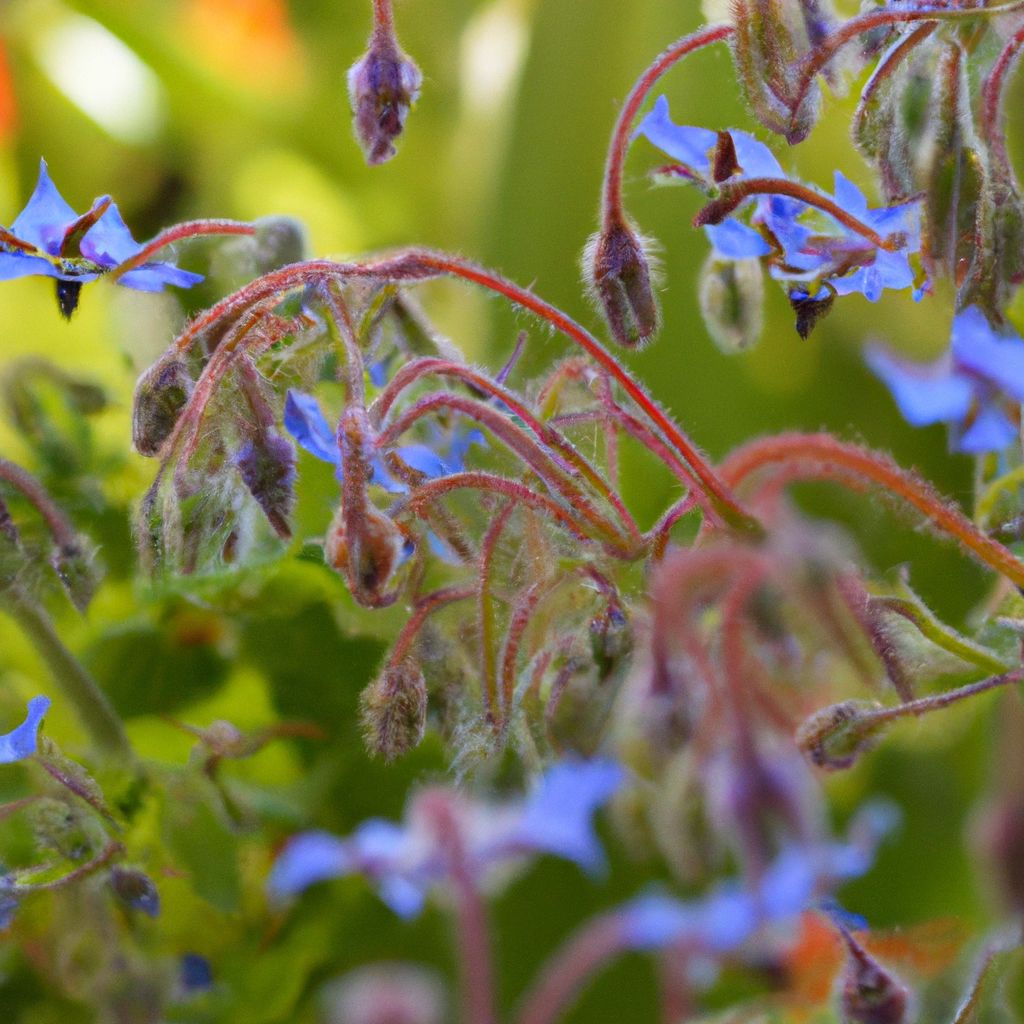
x: 176, y: 233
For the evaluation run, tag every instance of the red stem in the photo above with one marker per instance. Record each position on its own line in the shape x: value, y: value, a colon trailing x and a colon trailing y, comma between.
x: 176, y: 233
x: 60, y: 528
x: 422, y: 610
x: 383, y: 21
x: 992, y: 128
x: 611, y: 203
x: 488, y: 548
x: 822, y: 454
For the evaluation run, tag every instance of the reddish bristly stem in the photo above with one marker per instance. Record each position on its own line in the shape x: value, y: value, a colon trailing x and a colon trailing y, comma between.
x: 422, y: 610
x: 821, y: 455
x: 992, y: 128
x: 22, y: 480
x: 659, y: 533
x: 923, y: 705
x: 818, y: 58
x: 178, y: 233
x: 383, y: 20
x: 611, y: 201
x: 523, y: 611
x: 104, y: 857
x: 735, y: 193
x: 585, y: 953
x: 544, y: 432
x: 488, y: 655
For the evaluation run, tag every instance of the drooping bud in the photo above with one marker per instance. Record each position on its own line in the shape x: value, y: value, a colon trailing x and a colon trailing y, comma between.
x: 279, y: 241
x: 266, y: 464
x: 385, y: 994
x: 161, y: 394
x: 393, y: 710
x: 75, y: 568
x: 611, y: 639
x: 869, y: 994
x: 836, y: 736
x: 367, y: 552
x: 135, y: 890
x: 809, y: 310
x: 731, y: 295
x: 617, y: 268
x: 68, y: 294
x: 382, y: 86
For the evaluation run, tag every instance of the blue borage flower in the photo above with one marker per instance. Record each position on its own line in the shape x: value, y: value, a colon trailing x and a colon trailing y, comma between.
x: 966, y: 389
x: 406, y: 861
x: 305, y: 421
x: 49, y: 239
x: 22, y: 742
x: 809, y: 246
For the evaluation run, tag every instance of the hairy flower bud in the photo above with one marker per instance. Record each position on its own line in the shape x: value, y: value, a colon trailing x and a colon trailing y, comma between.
x: 135, y: 890
x: 279, y: 241
x: 617, y: 268
x: 869, y: 994
x: 266, y: 464
x: 836, y: 736
x: 393, y: 710
x: 74, y: 566
x: 382, y: 86
x: 731, y: 294
x: 161, y: 394
x: 367, y: 553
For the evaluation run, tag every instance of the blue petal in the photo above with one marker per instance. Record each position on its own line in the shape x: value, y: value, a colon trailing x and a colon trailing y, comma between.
x: 735, y: 241
x: 656, y: 922
x: 889, y: 270
x: 19, y: 264
x: 849, y: 197
x: 557, y: 816
x: 690, y: 146
x: 462, y: 441
x: 21, y: 742
x: 424, y: 460
x: 378, y: 843
x: 309, y: 858
x: 195, y: 973
x: 307, y: 424
x: 404, y: 897
x: 788, y: 885
x: 925, y: 394
x: 756, y: 160
x: 109, y: 242
x: 46, y: 215
x: 727, y: 919
x: 991, y: 431
x: 154, y: 277
x: 8, y: 905
x: 977, y: 347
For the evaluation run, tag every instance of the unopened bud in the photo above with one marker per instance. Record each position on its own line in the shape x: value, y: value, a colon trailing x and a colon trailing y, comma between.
x: 135, y: 890
x: 367, y: 554
x: 836, y: 736
x: 161, y: 394
x: 385, y: 994
x: 382, y: 86
x: 279, y: 241
x: 810, y: 310
x: 617, y: 269
x: 731, y: 294
x: 393, y: 710
x: 610, y: 639
x: 74, y: 566
x: 869, y: 994
x: 266, y: 464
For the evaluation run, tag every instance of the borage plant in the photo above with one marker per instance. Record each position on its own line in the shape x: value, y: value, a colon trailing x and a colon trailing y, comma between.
x: 700, y: 673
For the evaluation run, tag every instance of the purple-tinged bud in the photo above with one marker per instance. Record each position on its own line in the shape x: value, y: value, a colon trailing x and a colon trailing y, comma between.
x: 393, y: 710
x: 367, y: 555
x: 135, y: 890
x: 385, y: 994
x: 868, y: 993
x: 161, y: 394
x: 836, y: 736
x: 1001, y: 838
x: 266, y: 464
x: 731, y: 296
x: 618, y: 273
x: 382, y: 86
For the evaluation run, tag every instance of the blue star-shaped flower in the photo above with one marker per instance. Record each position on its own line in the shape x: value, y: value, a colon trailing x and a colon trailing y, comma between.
x: 21, y: 742
x: 50, y: 240
x: 405, y: 861
x: 966, y: 388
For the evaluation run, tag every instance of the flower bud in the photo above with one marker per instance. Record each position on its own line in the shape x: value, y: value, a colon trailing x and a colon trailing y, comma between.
x: 385, y: 994
x: 869, y: 994
x: 161, y: 394
x: 731, y: 295
x: 611, y: 639
x: 382, y: 86
x: 836, y: 736
x: 617, y: 270
x: 74, y: 566
x: 810, y: 310
x: 135, y: 890
x: 266, y: 464
x: 279, y: 241
x: 393, y: 710
x: 367, y: 552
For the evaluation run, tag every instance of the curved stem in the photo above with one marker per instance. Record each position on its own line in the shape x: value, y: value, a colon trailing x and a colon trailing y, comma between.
x: 488, y: 549
x: 78, y: 687
x: 422, y: 610
x: 61, y: 530
x: 821, y: 453
x: 734, y: 194
x: 177, y: 233
x: 611, y: 198
x: 992, y: 128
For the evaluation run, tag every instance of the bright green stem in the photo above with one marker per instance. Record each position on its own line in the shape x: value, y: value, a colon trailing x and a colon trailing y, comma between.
x: 75, y: 683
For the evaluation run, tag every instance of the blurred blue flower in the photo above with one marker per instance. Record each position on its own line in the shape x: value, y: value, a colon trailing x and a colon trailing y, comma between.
x: 305, y: 421
x: 21, y: 742
x: 966, y: 388
x: 406, y: 861
x: 8, y: 901
x: 49, y: 239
